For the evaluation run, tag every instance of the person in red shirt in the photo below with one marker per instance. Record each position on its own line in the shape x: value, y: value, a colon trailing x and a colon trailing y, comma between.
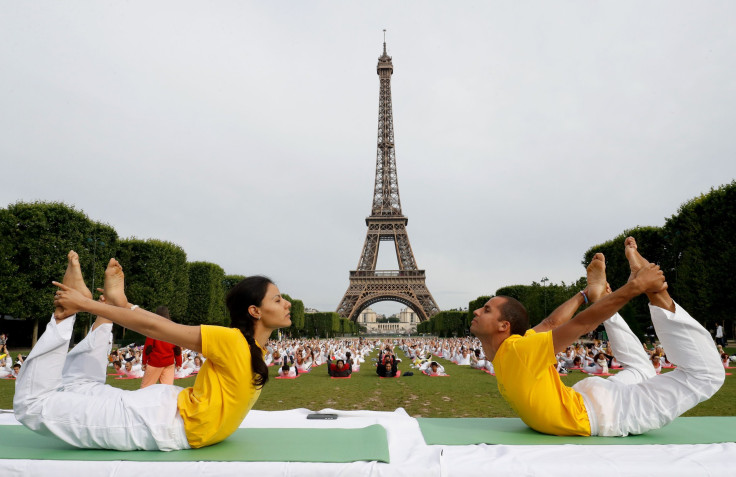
x: 340, y: 369
x: 159, y: 358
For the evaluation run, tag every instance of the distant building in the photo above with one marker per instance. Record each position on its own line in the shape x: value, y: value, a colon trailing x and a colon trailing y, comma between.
x: 407, y: 324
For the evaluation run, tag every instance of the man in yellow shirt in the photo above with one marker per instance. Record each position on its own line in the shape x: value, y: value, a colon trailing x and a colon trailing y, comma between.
x: 633, y: 401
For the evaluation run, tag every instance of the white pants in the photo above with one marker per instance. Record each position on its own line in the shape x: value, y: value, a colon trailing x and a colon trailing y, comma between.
x: 636, y: 399
x: 65, y: 395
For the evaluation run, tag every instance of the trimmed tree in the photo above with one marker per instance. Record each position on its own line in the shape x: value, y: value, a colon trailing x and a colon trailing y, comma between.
x: 230, y: 281
x: 206, y: 295
x: 156, y: 273
x: 34, y: 241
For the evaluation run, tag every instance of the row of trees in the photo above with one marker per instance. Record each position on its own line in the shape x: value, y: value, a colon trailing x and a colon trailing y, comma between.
x: 319, y: 325
x: 445, y: 323
x: 695, y: 248
x: 34, y: 241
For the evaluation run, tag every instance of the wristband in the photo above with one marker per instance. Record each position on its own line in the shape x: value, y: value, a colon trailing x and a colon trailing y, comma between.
x: 133, y: 307
x: 582, y: 292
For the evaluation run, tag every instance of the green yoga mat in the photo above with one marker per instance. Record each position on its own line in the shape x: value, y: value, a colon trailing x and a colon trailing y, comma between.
x: 512, y: 431
x: 245, y: 445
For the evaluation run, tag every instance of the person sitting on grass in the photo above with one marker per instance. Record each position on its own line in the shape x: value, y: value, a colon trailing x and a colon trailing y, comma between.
x: 434, y: 369
x: 656, y: 363
x: 286, y: 371
x: 598, y: 366
x: 388, y: 365
x: 65, y: 395
x: 132, y: 371
x: 118, y: 368
x: 633, y: 401
x: 340, y: 369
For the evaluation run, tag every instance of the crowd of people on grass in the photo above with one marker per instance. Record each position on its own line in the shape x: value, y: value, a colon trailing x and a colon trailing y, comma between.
x: 344, y: 356
x: 133, y: 361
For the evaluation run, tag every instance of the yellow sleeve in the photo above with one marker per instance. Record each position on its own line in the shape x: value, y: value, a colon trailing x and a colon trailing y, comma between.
x: 217, y: 345
x: 536, y: 350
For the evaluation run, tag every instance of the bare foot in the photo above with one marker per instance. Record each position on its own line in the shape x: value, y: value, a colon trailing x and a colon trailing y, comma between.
x: 597, y: 284
x: 73, y: 279
x: 636, y: 262
x: 73, y: 276
x: 115, y: 284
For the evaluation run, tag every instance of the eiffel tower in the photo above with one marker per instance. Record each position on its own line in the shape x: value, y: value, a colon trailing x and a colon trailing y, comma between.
x: 386, y: 223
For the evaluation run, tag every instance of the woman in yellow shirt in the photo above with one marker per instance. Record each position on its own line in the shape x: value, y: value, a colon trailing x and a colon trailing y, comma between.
x: 65, y: 395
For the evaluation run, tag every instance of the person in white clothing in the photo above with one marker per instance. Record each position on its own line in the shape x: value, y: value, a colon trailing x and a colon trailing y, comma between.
x: 287, y: 371
x: 719, y: 335
x: 133, y: 371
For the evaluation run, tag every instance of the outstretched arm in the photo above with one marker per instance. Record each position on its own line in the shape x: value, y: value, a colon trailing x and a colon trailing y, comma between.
x: 139, y: 320
x: 596, y: 275
x: 561, y: 315
x: 648, y: 279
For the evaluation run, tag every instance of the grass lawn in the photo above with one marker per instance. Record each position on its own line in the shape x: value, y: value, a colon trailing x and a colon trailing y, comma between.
x: 466, y: 393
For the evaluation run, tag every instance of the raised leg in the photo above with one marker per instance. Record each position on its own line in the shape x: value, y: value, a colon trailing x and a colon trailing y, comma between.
x: 87, y: 362
x: 40, y: 374
x: 636, y: 261
x: 628, y: 351
x: 689, y: 346
x: 41, y: 371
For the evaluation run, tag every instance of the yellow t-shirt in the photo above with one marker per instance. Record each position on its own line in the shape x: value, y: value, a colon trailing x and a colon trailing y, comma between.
x: 223, y: 392
x: 528, y: 380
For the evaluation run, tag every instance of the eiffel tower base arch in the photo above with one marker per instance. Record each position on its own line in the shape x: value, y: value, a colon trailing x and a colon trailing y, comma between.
x: 372, y: 286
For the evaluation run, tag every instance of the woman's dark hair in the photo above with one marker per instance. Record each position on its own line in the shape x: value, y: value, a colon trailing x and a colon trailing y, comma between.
x: 249, y: 292
x: 163, y: 311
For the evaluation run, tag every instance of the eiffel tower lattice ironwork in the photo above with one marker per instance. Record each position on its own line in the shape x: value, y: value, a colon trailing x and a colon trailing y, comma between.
x: 386, y: 223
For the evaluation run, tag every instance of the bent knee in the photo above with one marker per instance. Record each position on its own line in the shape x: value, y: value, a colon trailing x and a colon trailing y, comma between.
x: 719, y: 377
x: 26, y: 416
x: 709, y: 383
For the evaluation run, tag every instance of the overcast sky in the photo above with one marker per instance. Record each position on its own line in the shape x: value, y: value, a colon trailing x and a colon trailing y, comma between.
x: 245, y: 132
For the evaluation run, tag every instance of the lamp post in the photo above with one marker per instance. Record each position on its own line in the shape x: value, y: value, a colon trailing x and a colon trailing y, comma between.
x: 94, y: 243
x: 544, y: 291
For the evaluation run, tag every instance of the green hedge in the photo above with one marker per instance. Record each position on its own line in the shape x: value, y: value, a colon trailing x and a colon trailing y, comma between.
x: 322, y: 324
x: 156, y: 273
x: 297, y: 327
x: 230, y: 281
x: 701, y: 249
x: 297, y: 313
x: 206, y: 295
x: 34, y: 241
